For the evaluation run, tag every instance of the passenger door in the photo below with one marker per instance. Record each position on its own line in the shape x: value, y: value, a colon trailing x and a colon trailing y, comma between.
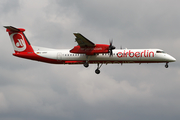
x: 59, y: 56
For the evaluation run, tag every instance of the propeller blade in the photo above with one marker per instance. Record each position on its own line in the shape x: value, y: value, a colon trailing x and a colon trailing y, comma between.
x: 111, y: 53
x: 111, y: 47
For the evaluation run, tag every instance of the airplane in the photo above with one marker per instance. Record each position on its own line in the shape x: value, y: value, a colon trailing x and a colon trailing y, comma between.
x: 86, y: 52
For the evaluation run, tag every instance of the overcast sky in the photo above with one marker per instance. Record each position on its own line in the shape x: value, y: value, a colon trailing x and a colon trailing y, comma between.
x: 31, y: 90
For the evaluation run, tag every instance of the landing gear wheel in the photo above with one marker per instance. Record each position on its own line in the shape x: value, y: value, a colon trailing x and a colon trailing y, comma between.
x: 166, y: 66
x: 97, y: 71
x: 86, y: 64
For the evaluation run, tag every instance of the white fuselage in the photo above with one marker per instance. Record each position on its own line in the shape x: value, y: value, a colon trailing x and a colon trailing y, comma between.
x: 119, y: 55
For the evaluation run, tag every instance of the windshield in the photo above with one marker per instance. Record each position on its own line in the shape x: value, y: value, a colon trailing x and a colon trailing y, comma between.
x: 160, y: 52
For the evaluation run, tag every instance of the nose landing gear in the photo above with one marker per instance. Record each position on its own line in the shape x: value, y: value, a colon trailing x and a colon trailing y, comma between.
x: 166, y: 66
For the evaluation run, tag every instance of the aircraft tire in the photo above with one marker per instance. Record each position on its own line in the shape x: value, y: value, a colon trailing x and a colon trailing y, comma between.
x: 97, y: 71
x: 86, y: 64
x: 166, y: 66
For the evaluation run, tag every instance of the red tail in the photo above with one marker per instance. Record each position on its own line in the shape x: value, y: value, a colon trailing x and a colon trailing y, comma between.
x: 18, y: 39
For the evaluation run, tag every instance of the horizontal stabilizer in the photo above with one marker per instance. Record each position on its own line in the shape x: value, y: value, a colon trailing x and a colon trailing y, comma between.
x: 13, y: 29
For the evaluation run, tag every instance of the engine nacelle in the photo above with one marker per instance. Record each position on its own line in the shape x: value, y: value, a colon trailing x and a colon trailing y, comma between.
x: 99, y: 48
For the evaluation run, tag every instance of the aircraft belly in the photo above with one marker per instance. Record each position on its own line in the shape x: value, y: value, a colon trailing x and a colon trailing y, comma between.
x: 100, y: 58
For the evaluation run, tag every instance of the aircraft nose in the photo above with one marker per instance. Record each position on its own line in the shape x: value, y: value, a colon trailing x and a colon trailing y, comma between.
x: 172, y: 59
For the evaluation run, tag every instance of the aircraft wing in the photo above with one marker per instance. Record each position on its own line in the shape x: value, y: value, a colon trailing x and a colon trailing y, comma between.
x: 82, y: 41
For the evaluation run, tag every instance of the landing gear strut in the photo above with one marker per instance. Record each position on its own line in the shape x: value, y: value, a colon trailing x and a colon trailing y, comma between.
x: 97, y: 71
x: 166, y: 66
x: 86, y: 64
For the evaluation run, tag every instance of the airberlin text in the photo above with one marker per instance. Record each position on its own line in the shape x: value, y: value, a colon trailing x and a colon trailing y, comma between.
x: 145, y: 53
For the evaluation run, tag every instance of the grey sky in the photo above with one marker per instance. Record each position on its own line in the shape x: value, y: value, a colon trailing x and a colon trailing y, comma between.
x: 38, y: 91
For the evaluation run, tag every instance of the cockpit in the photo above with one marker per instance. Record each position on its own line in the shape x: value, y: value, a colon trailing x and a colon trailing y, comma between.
x: 160, y: 51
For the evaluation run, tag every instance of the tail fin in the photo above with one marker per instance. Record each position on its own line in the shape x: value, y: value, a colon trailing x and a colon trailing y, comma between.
x: 18, y: 39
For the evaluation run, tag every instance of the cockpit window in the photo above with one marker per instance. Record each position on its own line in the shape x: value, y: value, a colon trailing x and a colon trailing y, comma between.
x: 160, y: 52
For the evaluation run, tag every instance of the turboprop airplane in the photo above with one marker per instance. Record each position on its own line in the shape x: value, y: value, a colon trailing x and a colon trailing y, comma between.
x: 86, y: 52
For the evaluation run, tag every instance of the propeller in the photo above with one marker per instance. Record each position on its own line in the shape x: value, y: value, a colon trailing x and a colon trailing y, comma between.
x: 111, y: 47
x: 121, y: 47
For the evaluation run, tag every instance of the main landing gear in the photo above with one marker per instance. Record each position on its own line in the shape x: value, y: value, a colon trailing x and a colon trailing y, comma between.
x: 166, y: 66
x: 97, y: 71
x: 86, y: 64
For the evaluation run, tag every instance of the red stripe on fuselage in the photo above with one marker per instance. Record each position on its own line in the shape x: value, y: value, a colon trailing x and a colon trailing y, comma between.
x: 33, y: 56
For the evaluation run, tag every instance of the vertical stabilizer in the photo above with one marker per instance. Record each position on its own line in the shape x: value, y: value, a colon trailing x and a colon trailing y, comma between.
x: 19, y: 41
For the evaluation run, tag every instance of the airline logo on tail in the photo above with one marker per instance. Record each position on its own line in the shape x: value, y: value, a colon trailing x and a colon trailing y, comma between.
x: 18, y: 42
